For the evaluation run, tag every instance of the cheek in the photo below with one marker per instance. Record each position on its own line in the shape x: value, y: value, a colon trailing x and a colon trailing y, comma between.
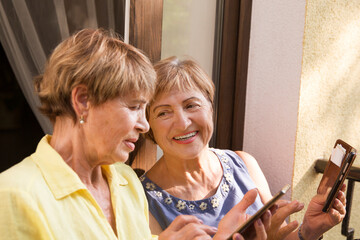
x: 210, y: 128
x: 159, y: 129
x: 153, y: 125
x: 209, y: 125
x: 156, y: 133
x: 115, y: 128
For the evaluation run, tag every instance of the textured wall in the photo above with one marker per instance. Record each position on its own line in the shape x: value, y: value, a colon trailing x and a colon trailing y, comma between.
x: 329, y: 106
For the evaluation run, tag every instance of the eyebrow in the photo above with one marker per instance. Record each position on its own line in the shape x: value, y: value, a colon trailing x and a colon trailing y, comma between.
x: 159, y: 106
x: 142, y: 100
x: 167, y: 105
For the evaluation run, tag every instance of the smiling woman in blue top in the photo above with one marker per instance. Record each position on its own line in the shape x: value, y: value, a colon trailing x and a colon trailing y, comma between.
x: 94, y: 89
x: 191, y: 178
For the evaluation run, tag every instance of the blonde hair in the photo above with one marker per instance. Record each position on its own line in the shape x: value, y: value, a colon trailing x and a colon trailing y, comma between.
x: 175, y: 74
x: 97, y: 58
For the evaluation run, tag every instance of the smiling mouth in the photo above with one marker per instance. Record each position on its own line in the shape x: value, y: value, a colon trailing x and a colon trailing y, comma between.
x: 186, y: 137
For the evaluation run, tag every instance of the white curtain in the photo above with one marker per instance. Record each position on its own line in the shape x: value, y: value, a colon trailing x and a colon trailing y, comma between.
x: 30, y: 29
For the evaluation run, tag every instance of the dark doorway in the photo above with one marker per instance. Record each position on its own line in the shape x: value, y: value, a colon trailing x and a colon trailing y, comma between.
x: 19, y: 130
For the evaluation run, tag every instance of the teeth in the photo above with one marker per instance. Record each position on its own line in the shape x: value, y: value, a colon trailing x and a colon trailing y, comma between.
x: 185, y: 136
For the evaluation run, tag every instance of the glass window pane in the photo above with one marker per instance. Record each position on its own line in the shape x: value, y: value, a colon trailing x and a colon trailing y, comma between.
x: 188, y: 30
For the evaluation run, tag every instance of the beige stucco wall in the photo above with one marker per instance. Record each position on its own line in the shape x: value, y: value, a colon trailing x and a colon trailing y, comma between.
x: 329, y: 104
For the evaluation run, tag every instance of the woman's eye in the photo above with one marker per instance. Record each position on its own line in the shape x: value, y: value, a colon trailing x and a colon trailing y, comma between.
x: 136, y: 107
x: 161, y: 114
x: 192, y: 106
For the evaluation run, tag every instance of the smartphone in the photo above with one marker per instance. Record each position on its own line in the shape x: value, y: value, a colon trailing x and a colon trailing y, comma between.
x: 336, y: 171
x: 247, y: 229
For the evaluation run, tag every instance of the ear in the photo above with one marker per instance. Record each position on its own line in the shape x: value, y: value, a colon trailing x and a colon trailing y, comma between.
x: 79, y: 98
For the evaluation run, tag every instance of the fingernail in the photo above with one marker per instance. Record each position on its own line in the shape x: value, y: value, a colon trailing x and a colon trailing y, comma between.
x: 268, y: 214
x: 294, y: 224
x: 298, y: 204
x: 259, y: 222
x: 237, y: 237
x: 214, y: 229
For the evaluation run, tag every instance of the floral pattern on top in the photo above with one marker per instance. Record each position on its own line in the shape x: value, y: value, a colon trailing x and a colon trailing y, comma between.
x: 180, y: 205
x: 212, y: 202
x: 225, y: 187
x: 168, y: 200
x: 203, y: 206
x: 224, y: 159
x: 228, y: 177
x: 215, y: 202
x: 150, y: 186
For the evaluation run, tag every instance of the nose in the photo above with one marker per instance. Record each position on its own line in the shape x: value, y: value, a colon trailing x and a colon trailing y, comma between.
x: 142, y: 124
x: 182, y: 121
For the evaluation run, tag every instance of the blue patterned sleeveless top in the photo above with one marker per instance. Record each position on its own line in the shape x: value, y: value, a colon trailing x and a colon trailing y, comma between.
x: 235, y: 182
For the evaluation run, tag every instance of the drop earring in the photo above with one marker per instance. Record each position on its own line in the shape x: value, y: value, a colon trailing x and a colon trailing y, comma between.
x: 81, y: 119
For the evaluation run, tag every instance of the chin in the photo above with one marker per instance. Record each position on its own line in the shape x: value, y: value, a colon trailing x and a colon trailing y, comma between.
x: 121, y: 155
x: 119, y: 158
x: 123, y: 159
x: 189, y: 154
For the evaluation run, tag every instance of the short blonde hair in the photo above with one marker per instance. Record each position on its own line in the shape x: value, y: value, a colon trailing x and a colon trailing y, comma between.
x: 97, y: 58
x: 175, y: 74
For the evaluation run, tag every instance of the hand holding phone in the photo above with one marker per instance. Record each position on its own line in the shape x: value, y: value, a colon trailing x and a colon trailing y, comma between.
x: 247, y: 228
x: 336, y: 171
